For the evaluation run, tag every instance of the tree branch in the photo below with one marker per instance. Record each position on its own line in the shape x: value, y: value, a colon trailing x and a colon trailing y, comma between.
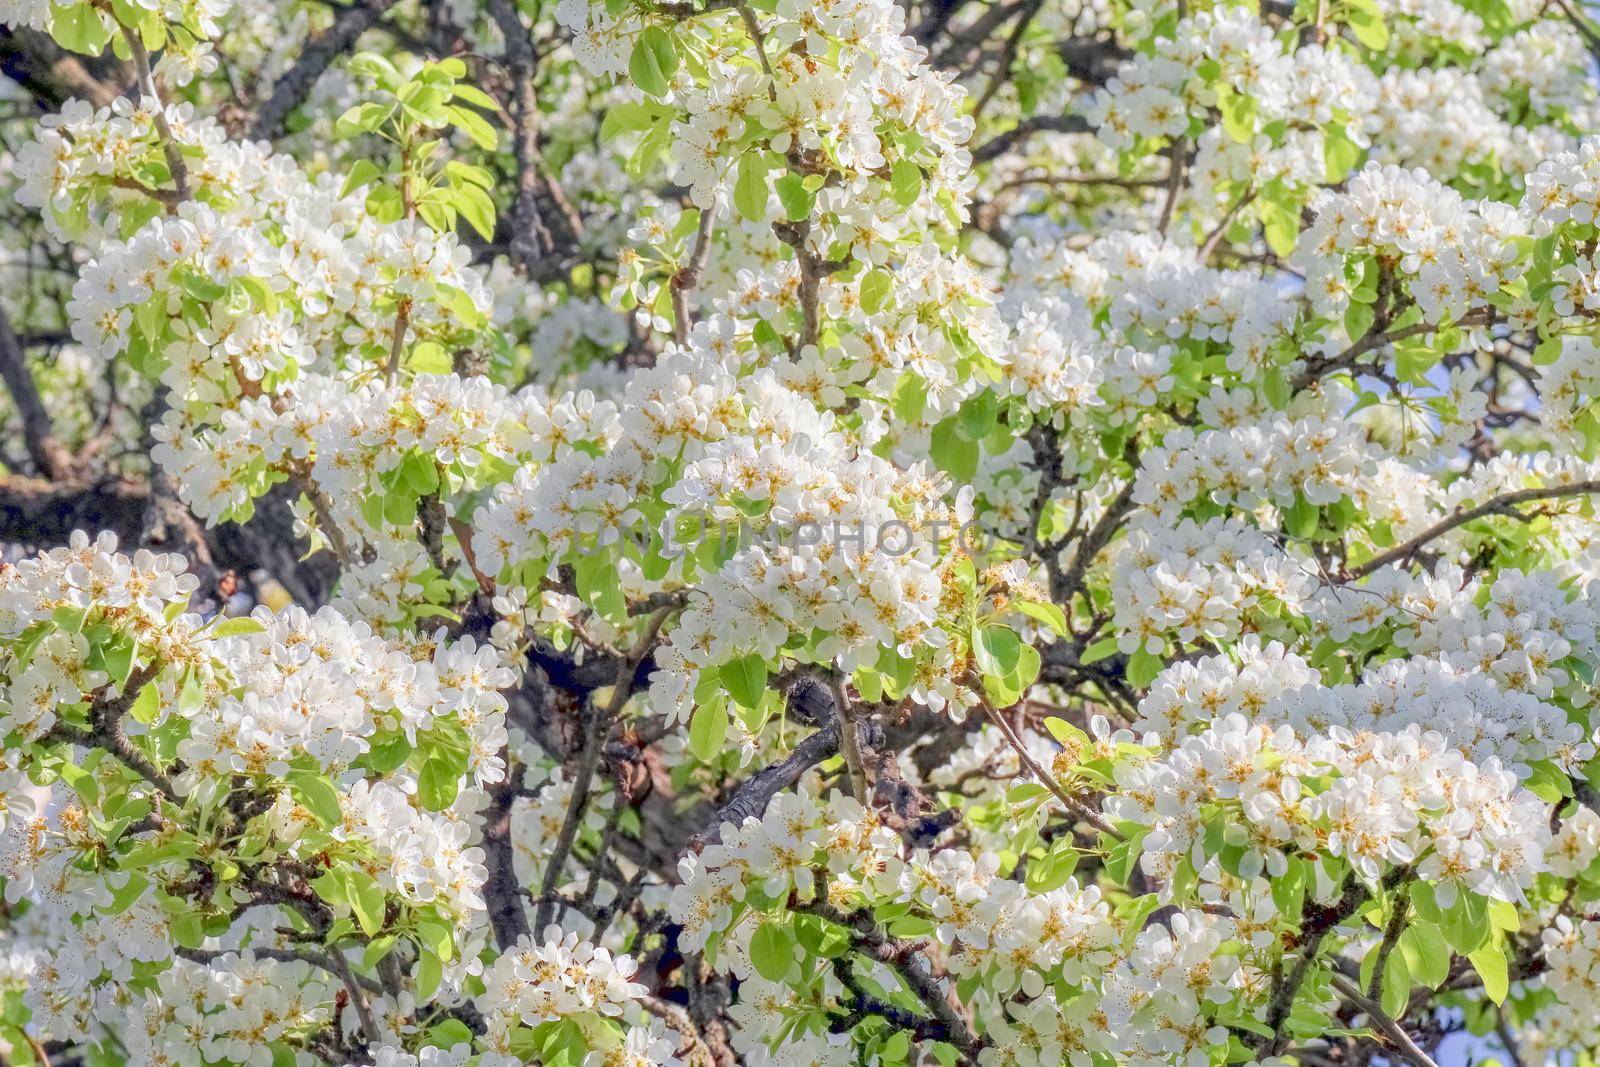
x: 756, y: 792
x: 38, y: 431
x: 1004, y: 142
x: 911, y: 966
x: 292, y: 89
x: 1502, y: 504
x: 1404, y: 1047
x: 533, y: 246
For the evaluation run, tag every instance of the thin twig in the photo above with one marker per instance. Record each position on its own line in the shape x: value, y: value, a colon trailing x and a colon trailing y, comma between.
x: 910, y: 965
x: 598, y: 728
x: 1180, y: 152
x: 1404, y: 1046
x: 358, y: 995
x: 1044, y: 777
x: 38, y: 429
x: 149, y: 88
x: 1214, y: 238
x: 687, y: 277
x: 1501, y: 504
x: 1008, y: 55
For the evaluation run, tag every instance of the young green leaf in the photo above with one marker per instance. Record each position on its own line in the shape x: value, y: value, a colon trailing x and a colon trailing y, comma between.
x: 654, y: 61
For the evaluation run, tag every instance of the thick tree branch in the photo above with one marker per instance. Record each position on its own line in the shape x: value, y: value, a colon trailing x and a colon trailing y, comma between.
x: 38, y: 432
x: 51, y: 75
x: 43, y: 513
x: 292, y: 89
x: 1025, y: 129
x: 753, y: 795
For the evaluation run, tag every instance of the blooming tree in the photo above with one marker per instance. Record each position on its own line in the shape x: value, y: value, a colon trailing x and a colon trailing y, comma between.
x: 623, y: 532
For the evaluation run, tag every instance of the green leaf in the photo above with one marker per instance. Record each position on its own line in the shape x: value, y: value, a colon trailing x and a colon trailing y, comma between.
x: 188, y: 929
x: 377, y: 949
x: 475, y: 96
x: 1027, y: 671
x: 1366, y: 22
x: 146, y: 705
x: 1428, y: 953
x: 378, y: 68
x: 1300, y: 520
x: 1358, y: 319
x: 317, y: 795
x: 1049, y: 614
x: 600, y: 585
x: 438, y: 935
x: 997, y: 650
x: 952, y: 451
x: 1503, y: 916
x: 362, y: 172
x: 363, y: 118
x: 80, y: 780
x: 707, y: 729
x: 628, y: 117
x: 1142, y: 668
x: 237, y: 626
x: 366, y: 901
x: 1064, y: 731
x: 429, y: 357
x: 201, y: 287
x: 797, y: 200
x: 745, y: 679
x: 400, y: 507
x: 1280, y: 223
x: 386, y: 753
x: 750, y: 187
x: 1052, y: 870
x: 1396, y: 984
x: 1106, y: 646
x: 462, y: 173
x: 1339, y: 154
x: 426, y: 975
x: 475, y: 206
x: 979, y: 415
x: 78, y: 28
x: 876, y: 286
x: 1289, y: 889
x: 772, y: 951
x: 437, y: 784
x: 1465, y: 923
x: 1490, y: 963
x: 474, y: 126
x: 332, y: 887
x: 654, y: 61
x: 421, y: 473
x: 905, y: 182
x: 1238, y: 116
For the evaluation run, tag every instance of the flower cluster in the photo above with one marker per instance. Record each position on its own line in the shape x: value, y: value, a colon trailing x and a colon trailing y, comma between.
x: 1317, y: 458
x: 1571, y: 949
x: 1226, y: 51
x: 226, y: 1012
x: 1201, y: 582
x: 1518, y: 630
x: 562, y: 977
x: 1377, y: 800
x: 1451, y: 254
x: 879, y: 533
x: 1031, y: 950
